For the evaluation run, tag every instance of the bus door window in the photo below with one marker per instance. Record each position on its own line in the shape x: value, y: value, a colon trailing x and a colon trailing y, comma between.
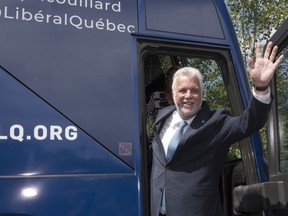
x: 282, y: 110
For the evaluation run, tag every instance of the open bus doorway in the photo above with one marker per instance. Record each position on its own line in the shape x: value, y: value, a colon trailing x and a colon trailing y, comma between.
x: 221, y: 90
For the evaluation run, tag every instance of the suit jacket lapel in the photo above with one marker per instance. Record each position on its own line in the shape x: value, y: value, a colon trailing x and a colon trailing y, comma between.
x: 161, y: 118
x: 159, y: 122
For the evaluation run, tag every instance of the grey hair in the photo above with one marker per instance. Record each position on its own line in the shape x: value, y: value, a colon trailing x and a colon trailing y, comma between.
x: 189, y: 72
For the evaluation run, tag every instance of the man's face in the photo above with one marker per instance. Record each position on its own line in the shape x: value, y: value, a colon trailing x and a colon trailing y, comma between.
x: 187, y: 96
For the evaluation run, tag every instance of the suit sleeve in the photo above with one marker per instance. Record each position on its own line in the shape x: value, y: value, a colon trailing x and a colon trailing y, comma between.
x: 234, y: 129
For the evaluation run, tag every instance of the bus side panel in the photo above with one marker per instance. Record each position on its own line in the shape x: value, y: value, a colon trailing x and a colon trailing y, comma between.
x: 51, y: 167
x: 66, y: 132
x: 69, y: 196
x: 77, y: 58
x: 37, y: 140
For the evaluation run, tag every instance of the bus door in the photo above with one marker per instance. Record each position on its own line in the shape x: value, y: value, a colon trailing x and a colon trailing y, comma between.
x: 221, y: 90
x: 271, y: 196
x: 278, y: 126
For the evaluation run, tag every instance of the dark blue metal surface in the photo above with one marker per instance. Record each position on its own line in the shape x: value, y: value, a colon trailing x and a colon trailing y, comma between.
x: 71, y: 69
x: 35, y: 138
x: 83, y: 72
x: 69, y: 196
x: 193, y: 18
x: 59, y: 76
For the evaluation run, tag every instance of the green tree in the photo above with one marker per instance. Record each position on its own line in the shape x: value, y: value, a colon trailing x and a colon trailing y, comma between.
x: 255, y: 21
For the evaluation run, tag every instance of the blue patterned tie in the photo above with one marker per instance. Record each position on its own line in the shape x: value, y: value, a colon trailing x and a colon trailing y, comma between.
x: 171, y: 149
x: 175, y: 140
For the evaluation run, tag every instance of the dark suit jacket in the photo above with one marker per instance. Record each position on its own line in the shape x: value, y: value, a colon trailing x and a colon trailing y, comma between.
x: 192, y: 175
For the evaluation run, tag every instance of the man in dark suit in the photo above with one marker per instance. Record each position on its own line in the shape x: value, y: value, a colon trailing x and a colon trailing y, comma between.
x: 185, y: 173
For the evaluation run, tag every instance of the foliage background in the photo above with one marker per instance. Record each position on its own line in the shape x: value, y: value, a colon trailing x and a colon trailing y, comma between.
x: 255, y: 21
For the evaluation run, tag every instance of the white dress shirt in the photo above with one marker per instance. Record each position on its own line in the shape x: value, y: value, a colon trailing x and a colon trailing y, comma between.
x: 170, y: 127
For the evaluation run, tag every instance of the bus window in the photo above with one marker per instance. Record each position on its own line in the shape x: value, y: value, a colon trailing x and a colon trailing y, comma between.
x: 271, y: 195
x: 282, y: 110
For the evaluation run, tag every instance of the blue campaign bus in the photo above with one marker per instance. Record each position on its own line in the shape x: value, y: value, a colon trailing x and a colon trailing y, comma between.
x: 75, y: 80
